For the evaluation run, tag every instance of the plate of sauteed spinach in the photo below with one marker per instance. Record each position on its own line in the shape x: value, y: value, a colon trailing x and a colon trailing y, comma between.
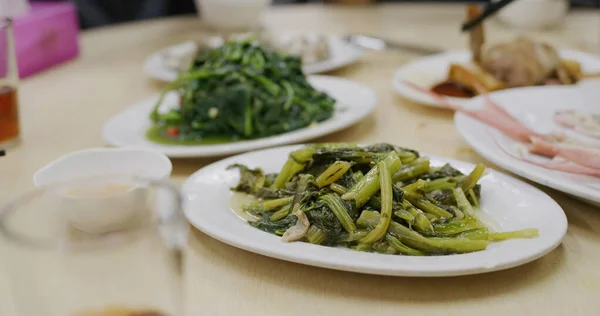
x: 379, y: 209
x: 238, y: 97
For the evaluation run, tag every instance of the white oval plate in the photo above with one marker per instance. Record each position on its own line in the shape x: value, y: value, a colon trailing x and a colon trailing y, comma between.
x: 431, y: 70
x: 354, y: 102
x: 162, y: 64
x: 535, y: 107
x: 509, y: 203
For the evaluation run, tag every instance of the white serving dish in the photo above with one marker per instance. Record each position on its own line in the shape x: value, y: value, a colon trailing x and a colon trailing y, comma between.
x: 508, y: 203
x: 535, y: 107
x: 354, y: 102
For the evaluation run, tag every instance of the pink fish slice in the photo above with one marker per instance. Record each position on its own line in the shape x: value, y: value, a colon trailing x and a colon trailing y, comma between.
x: 564, y: 166
x: 583, y: 156
x: 491, y: 114
x: 583, y: 123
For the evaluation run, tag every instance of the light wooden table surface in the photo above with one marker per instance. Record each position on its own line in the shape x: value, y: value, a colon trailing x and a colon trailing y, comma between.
x: 64, y: 109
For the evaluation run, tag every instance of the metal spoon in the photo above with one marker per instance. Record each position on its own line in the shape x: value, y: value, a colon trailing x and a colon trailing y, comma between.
x: 374, y: 43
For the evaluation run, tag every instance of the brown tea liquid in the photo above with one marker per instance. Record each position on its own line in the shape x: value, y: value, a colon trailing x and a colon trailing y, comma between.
x: 9, y: 114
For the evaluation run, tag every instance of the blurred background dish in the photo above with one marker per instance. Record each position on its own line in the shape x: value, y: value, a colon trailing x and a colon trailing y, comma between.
x: 429, y: 71
x: 320, y: 53
x: 232, y: 15
x: 536, y: 108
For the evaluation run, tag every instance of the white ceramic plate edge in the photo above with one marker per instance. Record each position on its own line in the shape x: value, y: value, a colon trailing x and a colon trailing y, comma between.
x: 232, y: 239
x: 344, y: 54
x: 503, y: 161
x: 334, y: 124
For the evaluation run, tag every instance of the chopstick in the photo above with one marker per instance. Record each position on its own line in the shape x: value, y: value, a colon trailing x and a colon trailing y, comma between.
x: 489, y: 11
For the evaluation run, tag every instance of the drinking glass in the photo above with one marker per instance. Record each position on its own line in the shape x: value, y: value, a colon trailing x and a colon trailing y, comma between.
x: 110, y: 245
x: 9, y: 80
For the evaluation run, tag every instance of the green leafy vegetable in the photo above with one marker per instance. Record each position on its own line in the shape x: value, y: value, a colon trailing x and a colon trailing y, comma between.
x: 381, y: 198
x: 239, y: 91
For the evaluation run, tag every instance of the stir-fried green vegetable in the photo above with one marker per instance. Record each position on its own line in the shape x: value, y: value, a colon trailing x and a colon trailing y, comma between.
x: 241, y: 90
x: 379, y: 198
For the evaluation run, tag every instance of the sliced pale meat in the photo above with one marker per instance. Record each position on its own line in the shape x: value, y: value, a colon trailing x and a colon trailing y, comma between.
x: 569, y: 167
x: 564, y: 166
x: 584, y: 123
x: 299, y: 230
x: 491, y: 114
x: 543, y: 148
x: 583, y: 156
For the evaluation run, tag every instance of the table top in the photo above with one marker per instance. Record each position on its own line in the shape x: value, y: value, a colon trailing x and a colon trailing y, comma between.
x: 64, y: 109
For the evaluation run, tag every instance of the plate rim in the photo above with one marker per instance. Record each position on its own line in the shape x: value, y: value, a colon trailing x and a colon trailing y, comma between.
x: 291, y: 137
x: 461, y: 120
x: 399, y: 87
x: 209, y: 229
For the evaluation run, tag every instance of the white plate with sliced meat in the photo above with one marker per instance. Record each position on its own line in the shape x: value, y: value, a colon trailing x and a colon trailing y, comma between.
x: 555, y: 140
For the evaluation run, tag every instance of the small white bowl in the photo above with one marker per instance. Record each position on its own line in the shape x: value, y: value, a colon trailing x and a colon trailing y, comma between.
x: 534, y: 14
x: 107, y: 202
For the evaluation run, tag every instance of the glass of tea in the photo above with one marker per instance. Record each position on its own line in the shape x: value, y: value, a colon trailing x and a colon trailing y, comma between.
x: 99, y: 246
x: 9, y: 79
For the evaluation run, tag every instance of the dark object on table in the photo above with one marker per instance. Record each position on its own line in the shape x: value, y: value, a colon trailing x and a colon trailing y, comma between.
x: 490, y: 10
x: 2, y: 152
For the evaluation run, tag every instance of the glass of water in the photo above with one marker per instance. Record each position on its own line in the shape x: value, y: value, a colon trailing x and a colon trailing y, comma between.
x: 100, y: 246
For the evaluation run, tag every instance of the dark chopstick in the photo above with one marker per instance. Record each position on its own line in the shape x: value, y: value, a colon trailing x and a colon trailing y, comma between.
x: 489, y: 11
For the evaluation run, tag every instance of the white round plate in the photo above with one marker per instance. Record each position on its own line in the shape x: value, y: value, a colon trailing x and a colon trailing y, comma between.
x: 535, y: 107
x: 354, y: 102
x: 507, y: 202
x: 162, y: 64
x: 431, y: 70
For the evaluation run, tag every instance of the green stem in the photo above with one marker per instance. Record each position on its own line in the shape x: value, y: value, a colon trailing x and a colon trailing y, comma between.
x: 385, y: 183
x: 471, y: 180
x: 281, y: 213
x: 338, y: 188
x: 293, y: 165
x: 333, y: 173
x: 335, y: 204
x: 412, y: 170
x: 462, y: 202
x: 402, y: 248
x: 368, y: 185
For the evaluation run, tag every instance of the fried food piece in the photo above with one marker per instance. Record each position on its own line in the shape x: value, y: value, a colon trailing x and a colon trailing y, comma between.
x: 464, y: 76
x: 572, y: 68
